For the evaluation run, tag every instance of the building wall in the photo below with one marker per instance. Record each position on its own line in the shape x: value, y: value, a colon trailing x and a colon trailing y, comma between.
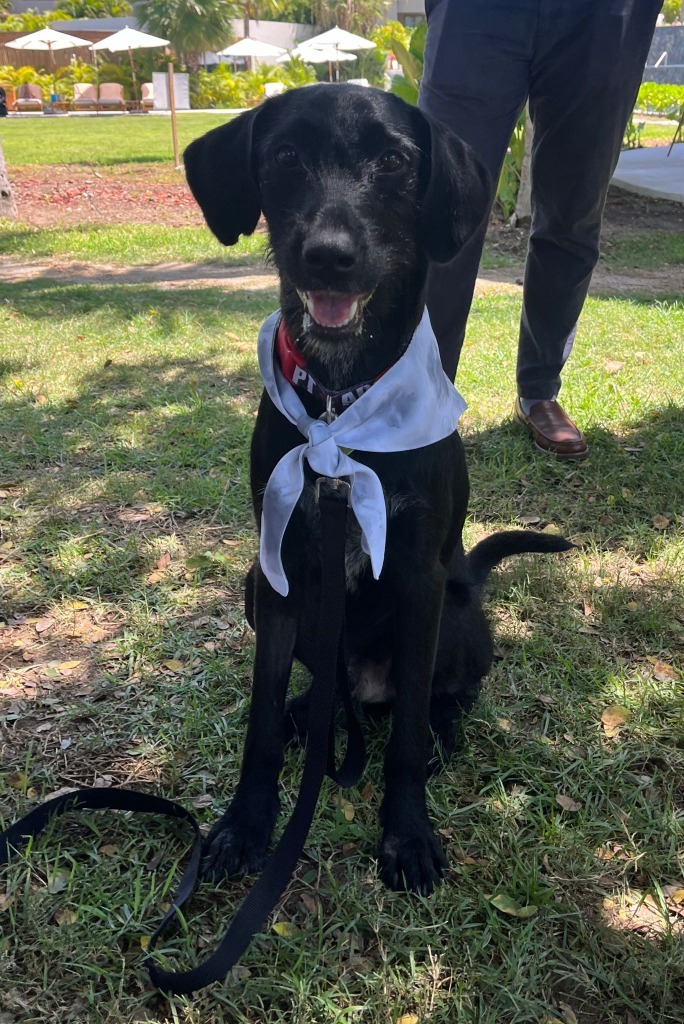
x: 408, y: 12
x: 667, y: 39
x: 40, y: 6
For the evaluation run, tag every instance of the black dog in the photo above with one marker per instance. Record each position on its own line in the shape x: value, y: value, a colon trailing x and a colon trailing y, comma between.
x: 359, y: 191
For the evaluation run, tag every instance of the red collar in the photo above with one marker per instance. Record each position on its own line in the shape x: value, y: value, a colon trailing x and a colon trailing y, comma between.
x: 293, y: 365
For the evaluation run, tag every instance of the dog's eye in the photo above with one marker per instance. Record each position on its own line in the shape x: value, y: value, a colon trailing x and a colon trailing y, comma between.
x: 286, y: 156
x: 391, y: 160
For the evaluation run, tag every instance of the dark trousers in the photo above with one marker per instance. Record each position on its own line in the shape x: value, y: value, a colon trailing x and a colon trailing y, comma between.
x: 579, y: 63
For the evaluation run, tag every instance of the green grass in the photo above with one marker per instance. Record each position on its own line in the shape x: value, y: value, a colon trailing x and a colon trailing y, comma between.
x: 99, y: 140
x: 125, y: 415
x: 644, y: 250
x: 127, y: 244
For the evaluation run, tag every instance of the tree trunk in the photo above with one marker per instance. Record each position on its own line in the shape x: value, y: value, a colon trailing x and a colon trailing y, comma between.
x: 522, y: 216
x: 8, y: 209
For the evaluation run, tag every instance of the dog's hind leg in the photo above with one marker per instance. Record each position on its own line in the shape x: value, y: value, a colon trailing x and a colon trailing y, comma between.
x: 238, y: 842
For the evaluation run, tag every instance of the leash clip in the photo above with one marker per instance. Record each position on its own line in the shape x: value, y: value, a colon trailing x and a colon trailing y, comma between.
x: 340, y: 488
x: 329, y: 415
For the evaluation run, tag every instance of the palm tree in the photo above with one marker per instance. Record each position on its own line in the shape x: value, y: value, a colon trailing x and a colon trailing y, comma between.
x: 354, y: 15
x: 7, y: 208
x: 258, y: 9
x: 192, y: 26
x: 95, y: 8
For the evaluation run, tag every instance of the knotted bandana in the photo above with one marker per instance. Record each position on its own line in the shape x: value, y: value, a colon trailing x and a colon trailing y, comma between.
x: 413, y: 404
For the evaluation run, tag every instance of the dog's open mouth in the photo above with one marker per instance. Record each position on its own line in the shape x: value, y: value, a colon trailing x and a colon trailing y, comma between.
x: 335, y: 310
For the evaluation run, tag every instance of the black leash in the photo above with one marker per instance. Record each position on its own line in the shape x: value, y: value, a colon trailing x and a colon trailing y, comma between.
x: 329, y: 674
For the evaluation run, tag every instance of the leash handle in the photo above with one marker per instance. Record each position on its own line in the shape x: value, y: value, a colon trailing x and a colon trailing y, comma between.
x: 329, y: 671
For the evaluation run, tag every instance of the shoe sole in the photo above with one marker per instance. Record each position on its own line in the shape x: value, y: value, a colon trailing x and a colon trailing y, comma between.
x: 562, y: 456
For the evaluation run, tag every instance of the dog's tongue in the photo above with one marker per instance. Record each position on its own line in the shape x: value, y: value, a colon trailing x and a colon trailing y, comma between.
x: 332, y: 309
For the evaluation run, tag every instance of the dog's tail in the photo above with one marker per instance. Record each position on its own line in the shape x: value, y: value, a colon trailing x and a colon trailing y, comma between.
x: 492, y: 550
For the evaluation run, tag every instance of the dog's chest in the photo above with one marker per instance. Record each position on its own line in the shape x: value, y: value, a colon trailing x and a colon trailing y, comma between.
x: 356, y: 561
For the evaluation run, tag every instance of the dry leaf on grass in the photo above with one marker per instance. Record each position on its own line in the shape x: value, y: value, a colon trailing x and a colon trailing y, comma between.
x: 58, y: 881
x: 660, y: 522
x: 613, y: 718
x: 285, y: 929
x: 347, y: 808
x: 173, y: 665
x: 663, y: 671
x: 529, y: 520
x: 408, y: 1018
x: 65, y: 917
x: 567, y: 803
x: 507, y: 905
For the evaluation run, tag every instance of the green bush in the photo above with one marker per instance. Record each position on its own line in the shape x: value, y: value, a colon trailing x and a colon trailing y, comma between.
x: 225, y: 88
x: 659, y: 98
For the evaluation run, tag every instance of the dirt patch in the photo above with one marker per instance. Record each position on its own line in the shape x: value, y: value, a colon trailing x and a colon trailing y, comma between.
x: 625, y: 212
x: 503, y: 280
x: 66, y: 195
x: 164, y: 275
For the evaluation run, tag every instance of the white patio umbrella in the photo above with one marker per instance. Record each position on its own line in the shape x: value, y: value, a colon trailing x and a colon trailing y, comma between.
x: 251, y: 48
x: 341, y: 38
x: 129, y: 39
x: 49, y: 40
x: 322, y: 54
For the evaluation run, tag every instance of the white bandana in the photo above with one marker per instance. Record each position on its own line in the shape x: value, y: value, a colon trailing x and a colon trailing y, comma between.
x: 412, y: 405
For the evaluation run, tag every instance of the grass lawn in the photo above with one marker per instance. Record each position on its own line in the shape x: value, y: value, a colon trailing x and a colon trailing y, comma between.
x: 138, y: 245
x: 125, y: 418
x: 99, y: 140
x: 127, y: 244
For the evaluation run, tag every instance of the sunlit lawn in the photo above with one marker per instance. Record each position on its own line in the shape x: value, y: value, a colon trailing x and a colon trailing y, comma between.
x: 99, y: 140
x: 125, y: 416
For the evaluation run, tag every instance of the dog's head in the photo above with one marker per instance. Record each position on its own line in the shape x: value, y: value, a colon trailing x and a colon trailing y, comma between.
x: 359, y: 191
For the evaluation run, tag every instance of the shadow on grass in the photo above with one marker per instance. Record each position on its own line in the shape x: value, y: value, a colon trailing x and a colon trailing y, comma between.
x: 173, y: 430
x: 611, y: 498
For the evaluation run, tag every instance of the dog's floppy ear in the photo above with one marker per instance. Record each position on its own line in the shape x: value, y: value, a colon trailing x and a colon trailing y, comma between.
x: 458, y: 192
x: 218, y: 168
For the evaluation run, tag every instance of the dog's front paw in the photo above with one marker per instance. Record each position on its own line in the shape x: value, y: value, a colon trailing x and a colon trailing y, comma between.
x: 238, y: 842
x: 412, y: 859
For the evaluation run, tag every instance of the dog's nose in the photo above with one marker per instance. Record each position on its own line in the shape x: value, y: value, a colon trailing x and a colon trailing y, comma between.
x: 330, y: 252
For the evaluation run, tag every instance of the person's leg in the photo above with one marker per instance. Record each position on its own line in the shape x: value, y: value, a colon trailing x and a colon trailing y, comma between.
x: 475, y: 80
x: 587, y: 68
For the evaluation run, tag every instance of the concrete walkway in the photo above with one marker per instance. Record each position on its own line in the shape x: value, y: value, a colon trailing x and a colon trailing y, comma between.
x: 651, y: 172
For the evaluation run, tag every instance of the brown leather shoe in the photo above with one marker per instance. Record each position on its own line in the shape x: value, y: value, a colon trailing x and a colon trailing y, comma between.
x: 553, y: 431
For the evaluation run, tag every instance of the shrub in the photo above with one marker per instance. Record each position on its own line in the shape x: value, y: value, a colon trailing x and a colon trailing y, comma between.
x: 659, y: 98
x: 225, y: 88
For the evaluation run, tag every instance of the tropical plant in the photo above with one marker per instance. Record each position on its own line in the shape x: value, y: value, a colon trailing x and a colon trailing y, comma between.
x: 31, y: 21
x: 511, y: 170
x: 8, y: 209
x: 224, y: 88
x: 671, y: 11
x: 411, y: 59
x: 384, y: 35
x: 632, y: 136
x: 192, y: 26
x: 659, y: 98
x: 258, y: 9
x: 354, y: 15
x: 94, y: 8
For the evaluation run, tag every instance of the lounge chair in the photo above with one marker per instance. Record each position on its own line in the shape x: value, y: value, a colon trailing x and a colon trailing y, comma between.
x: 112, y: 96
x: 85, y: 96
x: 147, y: 96
x: 29, y: 97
